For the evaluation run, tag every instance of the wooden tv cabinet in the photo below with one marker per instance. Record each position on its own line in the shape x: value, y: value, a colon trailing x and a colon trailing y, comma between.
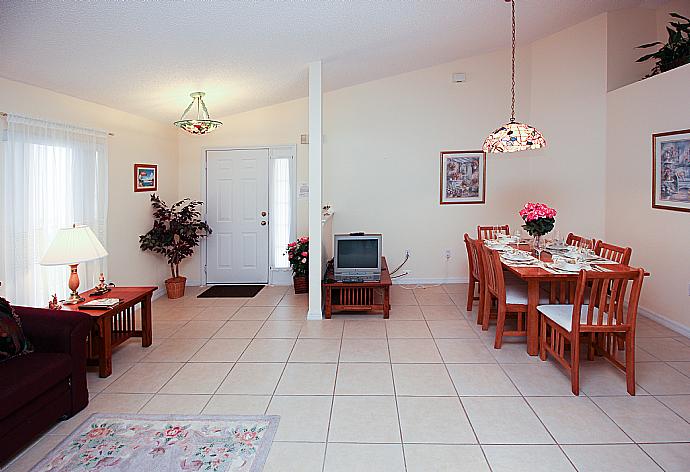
x: 360, y: 296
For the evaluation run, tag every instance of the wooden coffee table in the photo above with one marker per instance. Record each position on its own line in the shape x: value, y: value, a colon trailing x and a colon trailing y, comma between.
x: 114, y: 326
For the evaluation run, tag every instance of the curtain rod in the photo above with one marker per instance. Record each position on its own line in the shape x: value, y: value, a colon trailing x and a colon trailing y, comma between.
x: 2, y: 113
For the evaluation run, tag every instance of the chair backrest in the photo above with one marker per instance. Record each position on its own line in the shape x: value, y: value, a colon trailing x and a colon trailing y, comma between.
x: 492, y: 232
x: 493, y: 273
x: 607, y: 298
x: 473, y: 258
x: 612, y: 252
x: 580, y: 241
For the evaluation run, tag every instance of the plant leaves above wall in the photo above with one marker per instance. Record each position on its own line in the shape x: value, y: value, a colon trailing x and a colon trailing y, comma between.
x: 676, y: 52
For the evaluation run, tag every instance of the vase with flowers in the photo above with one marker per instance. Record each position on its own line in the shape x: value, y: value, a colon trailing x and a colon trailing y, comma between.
x: 298, y: 256
x: 539, y: 220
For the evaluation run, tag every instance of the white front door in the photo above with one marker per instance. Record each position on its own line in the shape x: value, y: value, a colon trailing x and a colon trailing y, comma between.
x: 237, y: 212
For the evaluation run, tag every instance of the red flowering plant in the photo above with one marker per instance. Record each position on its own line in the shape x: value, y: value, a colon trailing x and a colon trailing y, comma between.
x: 298, y: 256
x: 539, y: 218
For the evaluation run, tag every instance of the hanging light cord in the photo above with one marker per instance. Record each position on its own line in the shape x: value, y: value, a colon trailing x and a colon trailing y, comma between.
x: 512, y: 90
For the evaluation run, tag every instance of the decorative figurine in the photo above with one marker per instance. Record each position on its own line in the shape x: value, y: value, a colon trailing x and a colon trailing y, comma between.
x: 102, y: 287
x: 54, y: 304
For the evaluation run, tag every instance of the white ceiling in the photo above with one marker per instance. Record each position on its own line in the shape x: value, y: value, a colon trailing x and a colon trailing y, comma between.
x: 145, y: 57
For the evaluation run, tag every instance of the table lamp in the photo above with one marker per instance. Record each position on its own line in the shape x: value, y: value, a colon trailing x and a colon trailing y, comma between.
x: 70, y: 247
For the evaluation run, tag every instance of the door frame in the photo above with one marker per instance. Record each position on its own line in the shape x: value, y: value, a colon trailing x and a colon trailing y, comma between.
x: 278, y: 276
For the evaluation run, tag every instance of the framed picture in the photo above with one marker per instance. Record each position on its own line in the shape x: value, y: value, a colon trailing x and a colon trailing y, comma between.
x: 671, y: 170
x: 145, y: 177
x: 463, y: 177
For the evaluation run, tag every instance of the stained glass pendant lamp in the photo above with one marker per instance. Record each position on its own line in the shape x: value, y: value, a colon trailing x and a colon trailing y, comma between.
x: 203, y: 123
x: 513, y: 136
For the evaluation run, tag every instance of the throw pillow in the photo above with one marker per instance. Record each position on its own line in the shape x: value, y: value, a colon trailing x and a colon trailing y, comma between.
x: 12, y: 340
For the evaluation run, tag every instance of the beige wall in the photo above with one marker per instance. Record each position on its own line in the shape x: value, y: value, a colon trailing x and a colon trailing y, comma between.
x: 659, y: 238
x: 275, y: 125
x: 136, y: 140
x: 626, y: 30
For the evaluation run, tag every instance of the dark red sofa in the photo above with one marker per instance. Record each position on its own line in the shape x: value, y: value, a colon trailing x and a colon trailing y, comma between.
x: 49, y: 384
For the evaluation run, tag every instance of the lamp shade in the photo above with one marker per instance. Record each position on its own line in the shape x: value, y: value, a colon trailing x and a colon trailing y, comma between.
x: 72, y: 246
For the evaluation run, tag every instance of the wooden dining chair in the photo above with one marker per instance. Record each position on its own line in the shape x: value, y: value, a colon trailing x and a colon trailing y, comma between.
x: 476, y: 277
x: 613, y: 253
x: 509, y: 298
x: 606, y: 315
x: 491, y: 232
x: 580, y: 241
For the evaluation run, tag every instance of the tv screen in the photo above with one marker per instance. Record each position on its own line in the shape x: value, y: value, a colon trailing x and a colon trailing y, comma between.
x: 358, y: 253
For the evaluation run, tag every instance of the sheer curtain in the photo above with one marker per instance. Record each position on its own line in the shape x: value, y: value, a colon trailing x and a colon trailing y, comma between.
x: 53, y: 175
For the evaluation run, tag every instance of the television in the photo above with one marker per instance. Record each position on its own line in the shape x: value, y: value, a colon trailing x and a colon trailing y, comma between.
x: 357, y: 257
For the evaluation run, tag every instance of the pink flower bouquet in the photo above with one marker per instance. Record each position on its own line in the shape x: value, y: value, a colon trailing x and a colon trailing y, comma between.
x: 539, y: 218
x: 298, y: 256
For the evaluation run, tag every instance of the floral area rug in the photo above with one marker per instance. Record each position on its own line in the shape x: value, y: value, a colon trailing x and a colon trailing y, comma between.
x: 151, y: 443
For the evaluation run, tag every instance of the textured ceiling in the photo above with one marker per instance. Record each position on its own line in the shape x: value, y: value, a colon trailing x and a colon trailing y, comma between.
x: 145, y: 57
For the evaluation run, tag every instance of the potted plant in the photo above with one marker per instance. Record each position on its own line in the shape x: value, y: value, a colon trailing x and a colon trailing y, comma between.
x: 676, y: 52
x: 539, y: 220
x: 177, y: 230
x: 298, y: 256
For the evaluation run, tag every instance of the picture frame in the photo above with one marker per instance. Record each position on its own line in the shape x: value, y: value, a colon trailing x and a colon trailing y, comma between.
x: 145, y: 177
x: 671, y: 170
x: 463, y: 177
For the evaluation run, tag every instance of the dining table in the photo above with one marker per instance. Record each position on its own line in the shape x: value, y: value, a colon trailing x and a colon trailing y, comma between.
x: 538, y: 273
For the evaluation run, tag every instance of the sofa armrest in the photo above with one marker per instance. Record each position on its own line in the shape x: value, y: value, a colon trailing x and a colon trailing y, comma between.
x: 63, y: 332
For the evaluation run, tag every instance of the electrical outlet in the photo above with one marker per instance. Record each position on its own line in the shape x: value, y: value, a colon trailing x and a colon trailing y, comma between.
x: 447, y: 253
x: 408, y: 252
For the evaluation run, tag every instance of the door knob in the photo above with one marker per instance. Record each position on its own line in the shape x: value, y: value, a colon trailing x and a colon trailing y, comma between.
x: 263, y: 213
x: 263, y: 223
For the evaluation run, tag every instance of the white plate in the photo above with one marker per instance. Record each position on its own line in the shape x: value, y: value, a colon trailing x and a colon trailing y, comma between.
x: 567, y: 266
x: 517, y: 256
x: 498, y: 247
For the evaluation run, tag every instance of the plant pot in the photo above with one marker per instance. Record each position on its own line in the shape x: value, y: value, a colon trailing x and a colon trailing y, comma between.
x: 301, y: 284
x: 174, y: 286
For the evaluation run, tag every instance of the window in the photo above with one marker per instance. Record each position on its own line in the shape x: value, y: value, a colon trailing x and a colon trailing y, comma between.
x: 281, y: 208
x: 51, y: 176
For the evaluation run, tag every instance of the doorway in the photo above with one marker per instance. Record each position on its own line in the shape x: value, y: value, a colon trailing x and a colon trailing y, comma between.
x: 249, y: 195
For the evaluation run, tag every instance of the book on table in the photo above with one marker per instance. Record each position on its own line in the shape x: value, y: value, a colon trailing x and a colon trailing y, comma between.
x: 100, y: 304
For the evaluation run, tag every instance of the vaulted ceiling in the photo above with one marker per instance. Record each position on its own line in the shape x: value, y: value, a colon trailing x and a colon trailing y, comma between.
x: 145, y: 57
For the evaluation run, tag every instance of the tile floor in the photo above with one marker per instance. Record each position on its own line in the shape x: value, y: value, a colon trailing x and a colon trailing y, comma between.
x: 423, y: 391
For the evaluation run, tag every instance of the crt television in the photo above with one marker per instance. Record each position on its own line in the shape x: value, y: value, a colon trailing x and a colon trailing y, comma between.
x: 357, y: 257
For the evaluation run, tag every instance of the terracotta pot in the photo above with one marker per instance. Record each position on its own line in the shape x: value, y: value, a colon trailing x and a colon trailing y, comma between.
x: 174, y: 286
x: 301, y: 284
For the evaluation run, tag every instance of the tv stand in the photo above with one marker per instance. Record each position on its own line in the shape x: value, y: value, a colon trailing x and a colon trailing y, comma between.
x: 358, y: 296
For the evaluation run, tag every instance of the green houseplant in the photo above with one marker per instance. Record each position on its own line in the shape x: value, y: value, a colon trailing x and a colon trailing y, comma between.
x: 177, y: 230
x: 676, y: 52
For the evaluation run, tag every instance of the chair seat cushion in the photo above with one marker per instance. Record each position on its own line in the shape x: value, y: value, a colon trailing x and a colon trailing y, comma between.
x: 516, y: 294
x: 26, y: 377
x: 563, y: 315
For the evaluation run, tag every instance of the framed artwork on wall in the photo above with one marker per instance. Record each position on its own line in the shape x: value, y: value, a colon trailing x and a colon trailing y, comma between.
x: 671, y: 170
x: 145, y: 177
x: 463, y: 177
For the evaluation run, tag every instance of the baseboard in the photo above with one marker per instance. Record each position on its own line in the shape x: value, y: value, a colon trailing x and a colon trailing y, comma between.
x: 431, y: 281
x: 662, y: 320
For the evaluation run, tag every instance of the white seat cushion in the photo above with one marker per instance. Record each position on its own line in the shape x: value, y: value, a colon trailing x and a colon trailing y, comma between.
x: 563, y: 315
x: 516, y: 294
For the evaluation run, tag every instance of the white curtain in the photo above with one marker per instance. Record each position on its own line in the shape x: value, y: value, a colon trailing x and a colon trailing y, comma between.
x: 53, y: 175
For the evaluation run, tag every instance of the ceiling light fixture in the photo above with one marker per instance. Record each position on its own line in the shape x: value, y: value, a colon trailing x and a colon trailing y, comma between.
x: 203, y: 123
x: 513, y: 136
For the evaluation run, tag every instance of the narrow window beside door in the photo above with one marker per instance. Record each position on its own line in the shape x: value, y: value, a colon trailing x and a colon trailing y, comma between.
x: 281, y: 219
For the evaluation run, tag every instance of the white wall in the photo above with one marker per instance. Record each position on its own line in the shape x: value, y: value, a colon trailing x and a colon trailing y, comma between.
x: 274, y: 125
x: 136, y: 140
x: 383, y: 138
x: 659, y: 238
x: 626, y: 30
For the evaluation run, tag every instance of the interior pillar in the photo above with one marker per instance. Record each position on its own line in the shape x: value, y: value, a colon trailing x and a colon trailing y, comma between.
x: 315, y: 149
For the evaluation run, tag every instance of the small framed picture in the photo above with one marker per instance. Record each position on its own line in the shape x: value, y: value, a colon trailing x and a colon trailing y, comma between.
x: 671, y: 170
x: 145, y: 177
x: 463, y: 177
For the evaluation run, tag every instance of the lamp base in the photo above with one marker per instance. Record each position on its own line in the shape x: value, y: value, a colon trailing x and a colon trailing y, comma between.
x: 73, y: 299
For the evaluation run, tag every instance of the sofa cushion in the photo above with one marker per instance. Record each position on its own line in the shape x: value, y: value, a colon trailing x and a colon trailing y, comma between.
x: 13, y: 342
x: 26, y: 377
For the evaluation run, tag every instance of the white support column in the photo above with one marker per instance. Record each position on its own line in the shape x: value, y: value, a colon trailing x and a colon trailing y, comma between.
x: 315, y: 148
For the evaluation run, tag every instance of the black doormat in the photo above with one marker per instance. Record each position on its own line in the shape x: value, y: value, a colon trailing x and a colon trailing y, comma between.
x: 231, y: 291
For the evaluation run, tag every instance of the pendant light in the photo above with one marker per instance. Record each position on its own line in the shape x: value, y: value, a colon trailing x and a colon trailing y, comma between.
x: 513, y: 136
x: 203, y: 123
